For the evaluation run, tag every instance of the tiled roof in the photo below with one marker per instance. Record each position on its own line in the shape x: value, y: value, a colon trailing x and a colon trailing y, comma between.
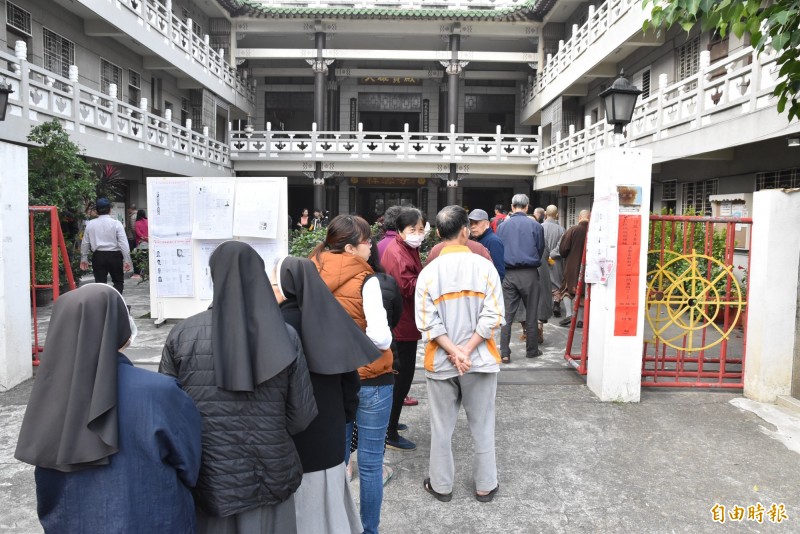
x: 530, y: 10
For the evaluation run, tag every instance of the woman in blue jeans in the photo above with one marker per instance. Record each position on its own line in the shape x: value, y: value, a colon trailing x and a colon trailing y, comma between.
x: 342, y: 263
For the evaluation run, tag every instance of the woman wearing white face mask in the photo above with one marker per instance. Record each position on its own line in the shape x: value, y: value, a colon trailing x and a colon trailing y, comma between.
x: 401, y: 261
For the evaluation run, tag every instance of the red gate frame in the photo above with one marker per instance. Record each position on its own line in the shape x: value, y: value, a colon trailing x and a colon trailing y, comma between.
x: 57, y: 244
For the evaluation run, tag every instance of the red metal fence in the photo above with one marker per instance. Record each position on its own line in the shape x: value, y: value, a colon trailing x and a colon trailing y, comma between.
x: 695, y: 329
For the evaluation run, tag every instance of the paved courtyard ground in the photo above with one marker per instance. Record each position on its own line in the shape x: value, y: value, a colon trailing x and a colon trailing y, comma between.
x: 567, y: 462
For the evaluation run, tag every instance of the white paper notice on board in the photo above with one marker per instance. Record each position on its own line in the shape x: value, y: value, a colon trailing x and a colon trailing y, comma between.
x: 206, y: 286
x: 172, y: 268
x: 213, y: 209
x: 256, y: 213
x: 170, y: 214
x: 269, y: 251
x: 601, y: 241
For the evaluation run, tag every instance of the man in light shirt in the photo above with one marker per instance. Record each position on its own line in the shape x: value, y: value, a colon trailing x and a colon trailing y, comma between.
x: 459, y: 307
x: 105, y: 237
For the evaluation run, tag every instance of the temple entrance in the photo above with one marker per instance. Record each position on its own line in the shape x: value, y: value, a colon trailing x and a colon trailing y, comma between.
x: 372, y: 203
x: 486, y: 199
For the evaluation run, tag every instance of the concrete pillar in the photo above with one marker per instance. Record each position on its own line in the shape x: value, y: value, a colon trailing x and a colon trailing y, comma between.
x: 772, y: 299
x: 453, y: 73
x: 615, y: 346
x: 15, y: 292
x: 452, y: 185
x: 320, y: 72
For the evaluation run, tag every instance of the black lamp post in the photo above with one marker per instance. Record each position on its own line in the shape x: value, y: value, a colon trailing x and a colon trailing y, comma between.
x: 4, y: 92
x: 620, y: 99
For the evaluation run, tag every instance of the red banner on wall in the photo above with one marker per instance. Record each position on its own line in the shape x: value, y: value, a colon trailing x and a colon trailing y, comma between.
x: 626, y: 314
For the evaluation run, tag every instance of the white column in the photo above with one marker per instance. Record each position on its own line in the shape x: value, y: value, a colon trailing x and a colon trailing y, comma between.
x: 615, y: 357
x: 772, y: 300
x: 15, y: 296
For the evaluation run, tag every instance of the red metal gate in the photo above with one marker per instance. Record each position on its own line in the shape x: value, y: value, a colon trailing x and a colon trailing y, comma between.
x: 695, y: 327
x: 696, y: 302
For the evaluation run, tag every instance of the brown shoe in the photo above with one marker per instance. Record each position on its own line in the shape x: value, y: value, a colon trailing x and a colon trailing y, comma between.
x: 524, y: 334
x: 540, y: 333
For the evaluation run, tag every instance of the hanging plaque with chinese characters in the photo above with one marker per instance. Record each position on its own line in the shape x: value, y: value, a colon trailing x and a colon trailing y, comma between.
x: 389, y: 80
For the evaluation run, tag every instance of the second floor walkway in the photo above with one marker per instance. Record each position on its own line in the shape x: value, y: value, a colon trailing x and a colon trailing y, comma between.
x: 108, y: 129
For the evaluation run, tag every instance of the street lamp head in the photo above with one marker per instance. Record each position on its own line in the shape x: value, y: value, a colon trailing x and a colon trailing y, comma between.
x: 4, y: 92
x: 619, y: 100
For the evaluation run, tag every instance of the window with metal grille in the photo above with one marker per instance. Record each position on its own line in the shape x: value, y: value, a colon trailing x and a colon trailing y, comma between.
x: 642, y: 81
x: 784, y: 179
x: 695, y: 197
x: 18, y: 18
x: 571, y: 219
x: 688, y: 59
x: 669, y: 190
x: 196, y: 29
x: 134, y: 87
x: 110, y: 73
x: 58, y: 53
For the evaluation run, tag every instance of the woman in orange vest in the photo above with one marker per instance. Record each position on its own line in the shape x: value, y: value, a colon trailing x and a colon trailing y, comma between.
x: 342, y: 263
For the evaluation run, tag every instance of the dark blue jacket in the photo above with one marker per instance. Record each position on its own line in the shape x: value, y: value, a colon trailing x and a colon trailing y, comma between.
x: 496, y: 250
x: 523, y: 239
x: 146, y: 486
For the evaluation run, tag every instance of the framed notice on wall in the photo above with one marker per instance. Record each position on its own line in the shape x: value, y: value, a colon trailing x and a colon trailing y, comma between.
x: 190, y: 217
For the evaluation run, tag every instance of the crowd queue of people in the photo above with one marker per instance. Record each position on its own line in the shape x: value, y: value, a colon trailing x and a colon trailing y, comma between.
x: 262, y: 398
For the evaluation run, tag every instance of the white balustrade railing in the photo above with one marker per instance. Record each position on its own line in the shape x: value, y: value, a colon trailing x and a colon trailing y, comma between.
x: 384, y: 146
x: 737, y: 85
x: 45, y: 95
x: 600, y: 21
x: 396, y: 4
x: 159, y: 17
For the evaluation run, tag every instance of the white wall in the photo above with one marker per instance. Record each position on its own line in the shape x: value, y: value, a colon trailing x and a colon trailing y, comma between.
x: 772, y: 294
x: 15, y: 299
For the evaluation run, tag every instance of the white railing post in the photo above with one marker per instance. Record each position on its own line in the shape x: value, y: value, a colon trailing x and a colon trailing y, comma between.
x: 190, y: 38
x: 112, y: 93
x: 23, y: 70
x: 75, y: 91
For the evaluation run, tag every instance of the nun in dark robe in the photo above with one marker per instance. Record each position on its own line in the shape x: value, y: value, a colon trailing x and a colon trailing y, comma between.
x: 116, y: 448
x: 335, y: 347
x: 245, y: 370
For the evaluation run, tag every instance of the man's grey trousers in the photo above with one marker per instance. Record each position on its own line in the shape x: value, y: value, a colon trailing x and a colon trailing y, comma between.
x: 476, y: 391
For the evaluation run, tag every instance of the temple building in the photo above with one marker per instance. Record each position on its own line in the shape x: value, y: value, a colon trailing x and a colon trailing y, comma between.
x: 366, y: 104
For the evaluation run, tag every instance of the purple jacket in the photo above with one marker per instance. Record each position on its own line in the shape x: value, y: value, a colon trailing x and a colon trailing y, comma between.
x: 388, y: 237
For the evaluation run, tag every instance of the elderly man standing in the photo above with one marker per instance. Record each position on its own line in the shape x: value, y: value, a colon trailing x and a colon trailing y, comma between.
x: 459, y: 305
x: 552, y: 236
x: 523, y: 239
x: 105, y: 237
x: 481, y: 230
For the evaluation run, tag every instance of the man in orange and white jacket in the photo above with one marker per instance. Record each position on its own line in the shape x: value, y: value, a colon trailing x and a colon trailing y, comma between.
x: 459, y: 307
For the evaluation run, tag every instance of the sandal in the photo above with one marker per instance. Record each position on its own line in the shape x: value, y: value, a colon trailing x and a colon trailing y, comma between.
x: 444, y: 497
x: 489, y: 496
x: 506, y: 359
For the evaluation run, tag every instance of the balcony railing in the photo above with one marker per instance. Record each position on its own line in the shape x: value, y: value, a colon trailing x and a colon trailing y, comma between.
x: 598, y: 23
x: 396, y: 4
x: 40, y: 95
x: 160, y: 18
x: 385, y: 146
x: 735, y: 86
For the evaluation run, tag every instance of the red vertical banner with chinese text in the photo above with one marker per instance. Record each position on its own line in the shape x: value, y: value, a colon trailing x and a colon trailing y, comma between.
x: 626, y: 314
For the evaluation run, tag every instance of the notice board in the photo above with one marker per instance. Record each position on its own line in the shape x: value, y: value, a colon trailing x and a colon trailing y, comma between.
x: 189, y: 217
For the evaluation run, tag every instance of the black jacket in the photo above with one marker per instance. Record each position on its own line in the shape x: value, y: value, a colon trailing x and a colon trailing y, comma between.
x: 249, y: 458
x: 322, y: 444
x: 392, y: 301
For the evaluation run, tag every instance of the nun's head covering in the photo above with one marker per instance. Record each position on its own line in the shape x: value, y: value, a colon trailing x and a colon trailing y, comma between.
x: 333, y: 343
x: 71, y: 419
x: 249, y: 339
